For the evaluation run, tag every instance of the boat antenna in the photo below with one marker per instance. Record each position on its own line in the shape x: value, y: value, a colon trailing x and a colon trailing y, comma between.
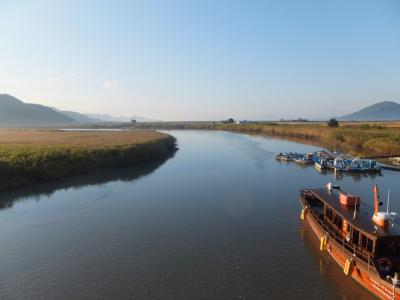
x: 355, y: 210
x: 387, y: 208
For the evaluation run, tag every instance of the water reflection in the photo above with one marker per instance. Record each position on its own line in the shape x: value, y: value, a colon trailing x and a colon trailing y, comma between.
x: 356, y: 176
x: 250, y: 147
x: 47, y: 189
x: 332, y: 274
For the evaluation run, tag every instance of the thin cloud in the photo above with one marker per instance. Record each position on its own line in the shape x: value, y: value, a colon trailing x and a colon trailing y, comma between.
x: 110, y: 84
x: 60, y: 78
x: 53, y: 79
x: 73, y: 75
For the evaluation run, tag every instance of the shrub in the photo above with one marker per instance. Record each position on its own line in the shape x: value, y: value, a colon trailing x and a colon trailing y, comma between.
x: 333, y: 122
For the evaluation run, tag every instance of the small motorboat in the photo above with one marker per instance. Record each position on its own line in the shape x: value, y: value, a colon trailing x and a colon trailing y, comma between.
x: 288, y: 156
x: 306, y: 159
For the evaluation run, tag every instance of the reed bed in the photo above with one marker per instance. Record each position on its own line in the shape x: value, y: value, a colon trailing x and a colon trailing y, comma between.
x: 30, y: 156
x: 364, y: 139
x: 361, y: 139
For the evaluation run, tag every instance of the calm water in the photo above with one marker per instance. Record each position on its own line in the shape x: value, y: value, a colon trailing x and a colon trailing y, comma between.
x: 219, y: 220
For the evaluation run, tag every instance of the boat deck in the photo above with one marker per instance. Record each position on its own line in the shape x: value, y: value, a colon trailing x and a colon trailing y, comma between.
x: 363, y: 219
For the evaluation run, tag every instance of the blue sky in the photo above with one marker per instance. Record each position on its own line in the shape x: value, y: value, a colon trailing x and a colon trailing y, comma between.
x: 201, y: 60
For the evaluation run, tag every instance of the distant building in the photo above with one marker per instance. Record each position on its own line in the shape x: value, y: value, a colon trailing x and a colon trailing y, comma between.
x: 133, y: 121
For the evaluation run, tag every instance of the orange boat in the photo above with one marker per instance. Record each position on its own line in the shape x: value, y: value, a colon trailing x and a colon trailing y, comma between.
x: 362, y: 240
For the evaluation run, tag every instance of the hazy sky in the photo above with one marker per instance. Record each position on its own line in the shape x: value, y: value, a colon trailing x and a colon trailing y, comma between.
x: 198, y: 60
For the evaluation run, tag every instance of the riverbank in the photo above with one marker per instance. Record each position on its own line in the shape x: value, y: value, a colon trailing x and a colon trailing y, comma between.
x: 31, y: 156
x: 359, y: 139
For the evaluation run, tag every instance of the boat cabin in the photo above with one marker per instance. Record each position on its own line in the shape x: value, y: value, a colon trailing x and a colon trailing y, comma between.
x: 370, y: 236
x: 395, y: 160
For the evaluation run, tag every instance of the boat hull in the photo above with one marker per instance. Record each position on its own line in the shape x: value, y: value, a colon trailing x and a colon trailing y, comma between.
x: 369, y: 280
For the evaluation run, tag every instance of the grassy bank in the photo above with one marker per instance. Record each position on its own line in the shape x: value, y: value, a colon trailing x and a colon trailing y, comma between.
x: 361, y: 139
x: 30, y: 156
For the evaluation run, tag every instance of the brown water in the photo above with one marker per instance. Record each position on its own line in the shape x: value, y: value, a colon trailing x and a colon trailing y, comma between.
x: 219, y: 220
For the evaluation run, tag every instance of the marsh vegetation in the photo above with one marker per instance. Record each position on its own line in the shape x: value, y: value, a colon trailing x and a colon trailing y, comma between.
x: 29, y: 156
x: 359, y: 138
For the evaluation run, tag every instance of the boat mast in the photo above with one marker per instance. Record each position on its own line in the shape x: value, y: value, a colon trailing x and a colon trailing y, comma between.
x: 387, y: 207
x: 376, y: 198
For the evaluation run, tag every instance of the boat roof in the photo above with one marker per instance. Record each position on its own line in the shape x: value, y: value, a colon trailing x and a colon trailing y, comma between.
x: 363, y: 219
x: 326, y: 154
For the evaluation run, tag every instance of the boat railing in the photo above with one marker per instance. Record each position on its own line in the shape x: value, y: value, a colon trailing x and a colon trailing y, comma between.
x: 361, y: 259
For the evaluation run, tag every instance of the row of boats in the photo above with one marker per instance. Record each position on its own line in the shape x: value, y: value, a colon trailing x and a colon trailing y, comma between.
x: 324, y: 160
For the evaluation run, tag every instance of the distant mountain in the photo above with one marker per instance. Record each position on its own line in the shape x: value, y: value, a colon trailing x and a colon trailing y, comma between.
x: 80, y: 118
x: 382, y: 111
x: 15, y: 113
x: 108, y: 118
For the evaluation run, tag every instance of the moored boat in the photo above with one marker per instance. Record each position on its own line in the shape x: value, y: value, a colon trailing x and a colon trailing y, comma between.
x: 395, y: 160
x: 288, y: 156
x: 355, y: 165
x: 365, y: 242
x: 305, y: 159
x: 323, y: 164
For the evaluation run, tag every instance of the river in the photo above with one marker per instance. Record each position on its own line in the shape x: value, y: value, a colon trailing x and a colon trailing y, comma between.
x: 219, y: 220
